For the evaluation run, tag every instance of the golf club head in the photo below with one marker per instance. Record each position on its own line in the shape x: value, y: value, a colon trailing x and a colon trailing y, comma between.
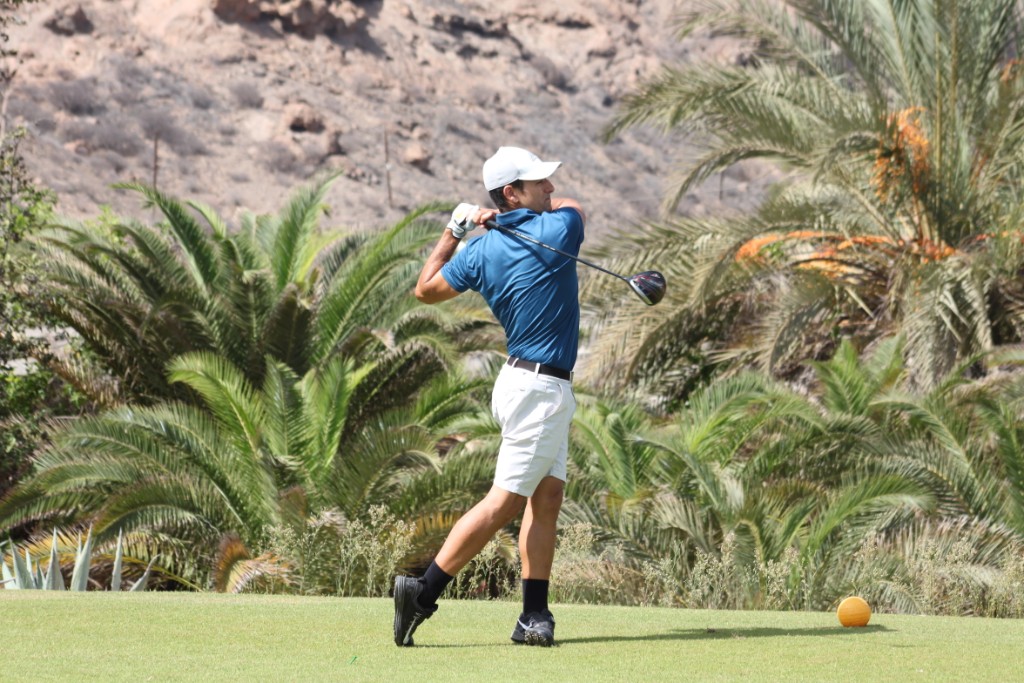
x: 649, y: 286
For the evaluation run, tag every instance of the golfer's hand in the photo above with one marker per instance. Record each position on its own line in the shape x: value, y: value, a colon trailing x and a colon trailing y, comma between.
x: 463, y: 219
x: 484, y: 215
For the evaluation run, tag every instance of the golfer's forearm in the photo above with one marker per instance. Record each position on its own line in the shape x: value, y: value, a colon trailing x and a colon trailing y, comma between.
x: 431, y: 286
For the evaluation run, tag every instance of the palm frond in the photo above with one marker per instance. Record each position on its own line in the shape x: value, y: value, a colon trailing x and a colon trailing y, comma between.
x: 198, y: 248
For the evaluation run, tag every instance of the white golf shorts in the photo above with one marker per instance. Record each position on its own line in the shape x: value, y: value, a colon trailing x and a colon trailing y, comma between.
x: 535, y: 412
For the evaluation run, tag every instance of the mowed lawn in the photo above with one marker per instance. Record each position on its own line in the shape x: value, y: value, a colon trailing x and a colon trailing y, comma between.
x: 189, y: 636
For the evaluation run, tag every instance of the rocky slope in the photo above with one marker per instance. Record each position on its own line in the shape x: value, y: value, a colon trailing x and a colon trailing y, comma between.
x: 236, y: 102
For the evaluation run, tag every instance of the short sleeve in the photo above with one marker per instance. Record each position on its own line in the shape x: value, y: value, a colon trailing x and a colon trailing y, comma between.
x: 570, y: 233
x: 459, y: 272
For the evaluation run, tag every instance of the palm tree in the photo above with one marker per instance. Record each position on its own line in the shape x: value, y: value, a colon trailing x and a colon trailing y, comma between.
x: 249, y: 459
x: 613, y: 476
x: 896, y: 124
x: 140, y: 296
x: 865, y: 484
x: 265, y: 375
x: 964, y: 439
x: 763, y: 473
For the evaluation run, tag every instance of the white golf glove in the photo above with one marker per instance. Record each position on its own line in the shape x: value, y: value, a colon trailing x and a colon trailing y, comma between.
x: 462, y: 219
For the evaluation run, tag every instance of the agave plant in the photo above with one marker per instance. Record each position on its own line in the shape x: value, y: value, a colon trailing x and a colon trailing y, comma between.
x: 24, y: 574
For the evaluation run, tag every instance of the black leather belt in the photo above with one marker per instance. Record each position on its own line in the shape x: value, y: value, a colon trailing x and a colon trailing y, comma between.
x: 539, y: 368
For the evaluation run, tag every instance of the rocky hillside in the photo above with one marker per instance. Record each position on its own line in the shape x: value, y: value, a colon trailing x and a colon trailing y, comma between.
x: 236, y: 102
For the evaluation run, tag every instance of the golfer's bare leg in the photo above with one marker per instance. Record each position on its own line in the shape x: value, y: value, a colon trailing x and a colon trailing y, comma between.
x: 540, y: 521
x: 478, y: 526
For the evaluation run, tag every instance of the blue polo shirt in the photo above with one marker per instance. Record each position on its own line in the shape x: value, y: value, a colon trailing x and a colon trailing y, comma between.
x: 532, y: 291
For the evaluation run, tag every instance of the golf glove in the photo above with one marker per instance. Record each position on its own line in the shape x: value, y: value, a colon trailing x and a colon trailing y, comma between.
x: 462, y: 219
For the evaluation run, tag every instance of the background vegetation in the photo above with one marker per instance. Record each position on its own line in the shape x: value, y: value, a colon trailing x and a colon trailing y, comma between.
x: 28, y: 393
x: 830, y: 405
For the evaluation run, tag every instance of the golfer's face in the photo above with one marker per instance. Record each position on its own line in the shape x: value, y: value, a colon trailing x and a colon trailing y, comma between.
x: 536, y: 195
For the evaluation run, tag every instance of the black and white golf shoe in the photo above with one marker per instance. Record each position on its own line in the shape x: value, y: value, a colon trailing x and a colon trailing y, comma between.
x: 535, y: 628
x: 408, y: 613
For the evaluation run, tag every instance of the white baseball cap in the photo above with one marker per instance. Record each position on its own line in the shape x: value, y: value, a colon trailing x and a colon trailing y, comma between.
x: 510, y: 164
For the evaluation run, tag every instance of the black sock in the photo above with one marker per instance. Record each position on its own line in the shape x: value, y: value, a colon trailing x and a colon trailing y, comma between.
x: 434, y: 582
x: 535, y: 595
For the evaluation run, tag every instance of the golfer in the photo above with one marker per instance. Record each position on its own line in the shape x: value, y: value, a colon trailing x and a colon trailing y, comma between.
x: 533, y: 293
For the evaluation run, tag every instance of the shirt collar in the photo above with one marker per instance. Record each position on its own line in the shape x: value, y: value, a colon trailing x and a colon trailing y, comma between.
x: 515, y: 217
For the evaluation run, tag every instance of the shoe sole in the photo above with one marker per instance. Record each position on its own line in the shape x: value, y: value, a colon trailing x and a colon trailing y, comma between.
x: 520, y: 637
x: 538, y: 639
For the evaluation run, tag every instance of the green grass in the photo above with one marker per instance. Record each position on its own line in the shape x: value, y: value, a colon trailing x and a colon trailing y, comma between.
x: 190, y: 636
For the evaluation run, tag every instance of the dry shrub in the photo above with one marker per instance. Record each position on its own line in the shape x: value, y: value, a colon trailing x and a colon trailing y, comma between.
x: 582, y: 573
x: 78, y: 97
x: 334, y: 556
x: 492, y: 574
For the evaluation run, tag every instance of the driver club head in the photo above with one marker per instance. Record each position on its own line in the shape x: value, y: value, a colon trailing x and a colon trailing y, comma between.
x: 649, y: 286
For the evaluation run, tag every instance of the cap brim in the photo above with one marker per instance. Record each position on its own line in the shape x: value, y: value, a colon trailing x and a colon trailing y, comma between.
x: 540, y: 171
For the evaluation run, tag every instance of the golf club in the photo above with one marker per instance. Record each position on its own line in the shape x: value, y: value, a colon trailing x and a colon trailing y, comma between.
x: 649, y: 285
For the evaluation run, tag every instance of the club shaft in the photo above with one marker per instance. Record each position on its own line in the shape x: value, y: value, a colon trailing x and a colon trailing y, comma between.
x: 510, y: 231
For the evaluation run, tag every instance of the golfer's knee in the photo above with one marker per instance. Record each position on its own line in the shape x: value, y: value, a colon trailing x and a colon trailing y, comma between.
x: 547, y: 500
x: 504, y: 506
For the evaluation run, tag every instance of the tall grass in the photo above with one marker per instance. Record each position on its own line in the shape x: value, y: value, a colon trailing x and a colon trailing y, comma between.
x: 331, y: 556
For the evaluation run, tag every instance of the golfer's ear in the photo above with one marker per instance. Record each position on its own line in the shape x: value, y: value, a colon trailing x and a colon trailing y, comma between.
x: 509, y: 193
